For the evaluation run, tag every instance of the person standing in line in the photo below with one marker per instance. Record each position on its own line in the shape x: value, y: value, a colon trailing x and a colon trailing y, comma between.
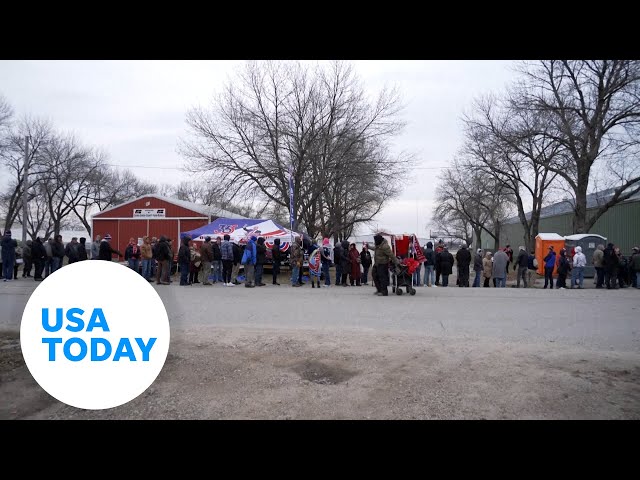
x: 382, y: 257
x: 163, y: 256
x: 71, y: 251
x: 8, y: 245
x: 276, y: 258
x: 106, y: 252
x: 325, y: 257
x: 249, y: 259
x: 206, y: 254
x: 429, y: 264
x: 487, y: 269
x: 439, y: 249
x: 146, y: 253
x: 261, y: 258
x: 499, y: 272
x: 132, y: 255
x: 184, y: 258
x: 532, y: 266
x: 446, y: 265
x: 477, y: 267
x: 217, y: 260
x: 463, y: 257
x: 48, y: 263
x: 522, y: 264
x: 577, y: 274
x: 237, y: 260
x: 354, y: 266
x: 195, y: 262
x: 365, y: 261
x: 338, y: 253
x: 95, y: 248
x: 610, y: 263
x: 549, y: 265
x: 509, y: 251
x: 226, y: 252
x: 28, y: 259
x: 296, y: 261
x: 635, y: 265
x: 563, y: 269
x: 57, y: 250
x: 345, y: 263
x: 598, y: 263
x: 39, y: 255
x: 82, y: 249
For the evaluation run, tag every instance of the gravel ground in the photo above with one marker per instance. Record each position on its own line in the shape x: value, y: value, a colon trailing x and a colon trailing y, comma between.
x: 342, y: 353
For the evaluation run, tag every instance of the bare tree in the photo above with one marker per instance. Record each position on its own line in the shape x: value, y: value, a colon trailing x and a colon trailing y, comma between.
x: 469, y: 202
x: 12, y: 162
x: 6, y: 113
x: 277, y: 117
x: 38, y: 217
x: 103, y: 187
x: 511, y: 146
x: 594, y: 107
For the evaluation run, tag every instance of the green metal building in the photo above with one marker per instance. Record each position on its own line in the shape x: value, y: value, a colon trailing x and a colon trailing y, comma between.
x: 620, y: 224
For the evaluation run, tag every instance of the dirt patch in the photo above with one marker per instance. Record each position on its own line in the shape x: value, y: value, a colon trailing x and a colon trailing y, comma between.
x: 321, y: 373
x: 236, y: 373
x: 10, y: 353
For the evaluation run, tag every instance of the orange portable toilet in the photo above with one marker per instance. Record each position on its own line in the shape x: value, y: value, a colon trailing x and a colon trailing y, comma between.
x: 543, y: 242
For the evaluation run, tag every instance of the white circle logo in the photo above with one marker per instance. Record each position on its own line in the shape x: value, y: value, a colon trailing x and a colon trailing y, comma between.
x: 94, y: 334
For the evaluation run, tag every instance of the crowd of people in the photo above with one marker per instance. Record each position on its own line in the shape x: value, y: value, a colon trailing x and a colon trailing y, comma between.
x: 219, y: 261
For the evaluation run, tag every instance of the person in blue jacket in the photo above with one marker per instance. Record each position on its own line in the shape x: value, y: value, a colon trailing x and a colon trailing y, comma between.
x: 549, y: 264
x: 249, y: 261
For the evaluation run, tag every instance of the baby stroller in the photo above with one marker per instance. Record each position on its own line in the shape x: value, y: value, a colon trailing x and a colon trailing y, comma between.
x: 403, y: 276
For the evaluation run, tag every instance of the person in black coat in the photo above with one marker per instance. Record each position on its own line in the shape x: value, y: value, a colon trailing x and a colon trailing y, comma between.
x: 237, y: 258
x: 610, y: 263
x: 184, y: 258
x: 365, y: 261
x: 445, y: 261
x: 463, y: 256
x: 276, y: 258
x: 106, y: 251
x: 163, y: 256
x: 261, y: 258
x: 338, y: 253
x: 345, y: 263
x: 39, y: 255
x: 82, y: 249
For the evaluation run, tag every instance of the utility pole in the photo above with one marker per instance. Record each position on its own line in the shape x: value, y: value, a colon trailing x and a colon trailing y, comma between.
x: 25, y: 192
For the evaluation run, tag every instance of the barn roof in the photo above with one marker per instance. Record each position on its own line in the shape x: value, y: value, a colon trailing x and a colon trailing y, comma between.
x: 208, y: 210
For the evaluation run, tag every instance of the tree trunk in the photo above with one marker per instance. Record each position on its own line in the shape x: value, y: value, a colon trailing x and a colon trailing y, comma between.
x: 496, y: 238
x: 580, y: 209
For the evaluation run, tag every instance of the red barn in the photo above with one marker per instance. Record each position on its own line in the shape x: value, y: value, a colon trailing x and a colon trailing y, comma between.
x: 153, y: 216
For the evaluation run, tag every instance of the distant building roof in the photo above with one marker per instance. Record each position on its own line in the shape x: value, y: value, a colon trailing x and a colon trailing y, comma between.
x: 549, y: 236
x: 566, y: 206
x: 207, y: 210
x: 580, y: 236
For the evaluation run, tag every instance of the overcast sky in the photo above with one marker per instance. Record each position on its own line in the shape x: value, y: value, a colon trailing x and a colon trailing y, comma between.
x: 135, y: 110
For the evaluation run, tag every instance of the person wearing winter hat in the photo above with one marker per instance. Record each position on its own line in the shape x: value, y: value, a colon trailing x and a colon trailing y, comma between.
x: 106, y: 250
x: 577, y: 274
x: 365, y: 261
x: 8, y: 255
